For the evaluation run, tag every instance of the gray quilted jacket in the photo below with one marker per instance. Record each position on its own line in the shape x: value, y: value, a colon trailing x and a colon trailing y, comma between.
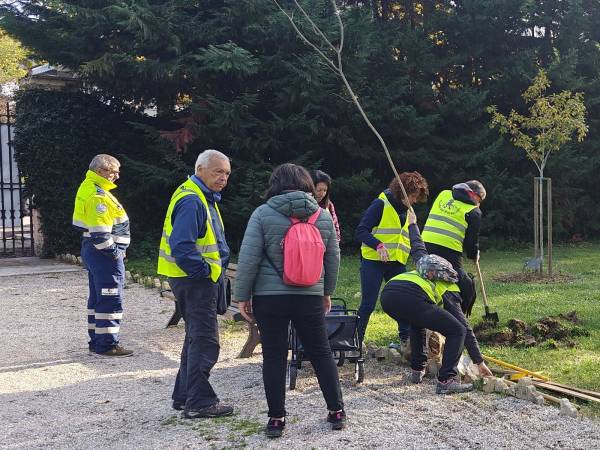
x: 265, y: 231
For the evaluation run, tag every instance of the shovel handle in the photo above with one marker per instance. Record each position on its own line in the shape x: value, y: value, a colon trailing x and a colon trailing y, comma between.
x: 485, y: 301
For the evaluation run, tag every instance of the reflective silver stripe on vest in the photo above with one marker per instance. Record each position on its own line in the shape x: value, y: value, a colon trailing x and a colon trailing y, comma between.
x: 213, y: 261
x: 101, y: 229
x: 121, y: 239
x: 163, y: 254
x: 121, y: 219
x: 86, y: 234
x: 390, y: 231
x: 394, y: 246
x: 165, y: 235
x: 79, y: 224
x: 444, y: 232
x: 449, y: 221
x: 207, y: 248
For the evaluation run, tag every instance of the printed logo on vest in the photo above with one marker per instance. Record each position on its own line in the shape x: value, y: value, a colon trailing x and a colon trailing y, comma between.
x: 101, y: 208
x: 110, y: 291
x: 448, y: 206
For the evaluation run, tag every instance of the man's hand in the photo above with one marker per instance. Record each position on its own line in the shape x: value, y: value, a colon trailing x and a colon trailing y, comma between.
x: 327, y: 303
x: 246, y: 311
x: 383, y: 253
x: 484, y: 370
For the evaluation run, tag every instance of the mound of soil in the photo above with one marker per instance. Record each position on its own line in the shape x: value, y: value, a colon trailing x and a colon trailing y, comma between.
x: 553, y: 332
x: 532, y: 277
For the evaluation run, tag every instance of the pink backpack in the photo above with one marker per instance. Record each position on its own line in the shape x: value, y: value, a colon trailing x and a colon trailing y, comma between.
x: 303, y: 252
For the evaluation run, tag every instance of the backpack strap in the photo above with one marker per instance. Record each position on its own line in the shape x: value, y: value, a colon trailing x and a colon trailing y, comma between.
x: 312, y: 219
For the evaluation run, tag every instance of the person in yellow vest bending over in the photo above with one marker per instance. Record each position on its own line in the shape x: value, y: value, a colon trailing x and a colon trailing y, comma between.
x: 452, y: 228
x: 429, y: 298
x: 193, y: 254
x: 385, y: 247
x: 105, y: 227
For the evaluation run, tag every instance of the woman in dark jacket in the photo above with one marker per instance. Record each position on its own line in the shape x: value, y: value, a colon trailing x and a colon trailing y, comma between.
x: 383, y: 233
x: 261, y: 293
x: 322, y: 194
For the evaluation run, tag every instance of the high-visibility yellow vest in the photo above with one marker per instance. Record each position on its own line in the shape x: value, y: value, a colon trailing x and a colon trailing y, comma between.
x: 206, y: 246
x: 434, y: 290
x: 391, y: 233
x: 98, y: 211
x: 446, y: 224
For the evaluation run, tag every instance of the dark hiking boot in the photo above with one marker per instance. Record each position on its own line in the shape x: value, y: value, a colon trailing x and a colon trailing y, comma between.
x: 337, y: 420
x: 451, y: 386
x: 117, y: 351
x: 417, y: 376
x: 178, y: 406
x: 216, y: 410
x: 274, y: 428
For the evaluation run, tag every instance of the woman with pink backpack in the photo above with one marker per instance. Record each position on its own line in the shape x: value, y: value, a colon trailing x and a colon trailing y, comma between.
x: 287, y: 271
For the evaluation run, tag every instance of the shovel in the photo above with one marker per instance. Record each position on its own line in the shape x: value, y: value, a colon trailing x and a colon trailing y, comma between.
x: 489, y: 316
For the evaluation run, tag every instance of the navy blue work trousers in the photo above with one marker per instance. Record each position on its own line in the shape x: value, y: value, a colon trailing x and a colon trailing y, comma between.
x: 106, y: 277
x: 372, y: 274
x: 197, y: 300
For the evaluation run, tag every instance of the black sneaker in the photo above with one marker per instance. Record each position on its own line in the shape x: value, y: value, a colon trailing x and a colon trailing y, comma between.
x: 178, y: 406
x: 416, y: 376
x: 451, y: 386
x: 337, y: 420
x: 216, y: 410
x: 274, y: 428
x: 117, y: 351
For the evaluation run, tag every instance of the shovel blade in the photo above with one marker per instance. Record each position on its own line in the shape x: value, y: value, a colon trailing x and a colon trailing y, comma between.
x: 491, y: 317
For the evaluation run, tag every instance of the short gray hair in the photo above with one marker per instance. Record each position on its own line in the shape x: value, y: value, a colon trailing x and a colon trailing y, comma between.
x: 103, y: 161
x: 206, y: 156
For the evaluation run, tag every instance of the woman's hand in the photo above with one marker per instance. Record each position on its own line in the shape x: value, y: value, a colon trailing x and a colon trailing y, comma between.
x: 246, y: 311
x: 383, y: 253
x: 484, y: 370
x: 411, y: 217
x: 327, y: 303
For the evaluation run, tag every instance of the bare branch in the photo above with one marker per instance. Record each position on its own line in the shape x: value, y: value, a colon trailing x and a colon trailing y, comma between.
x: 315, y: 28
x: 328, y: 61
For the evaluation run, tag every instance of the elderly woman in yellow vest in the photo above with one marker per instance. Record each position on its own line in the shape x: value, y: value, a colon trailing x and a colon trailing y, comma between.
x: 383, y: 233
x: 429, y: 298
x: 452, y: 228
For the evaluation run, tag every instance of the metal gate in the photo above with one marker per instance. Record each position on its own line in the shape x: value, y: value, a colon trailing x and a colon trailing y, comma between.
x: 15, y: 221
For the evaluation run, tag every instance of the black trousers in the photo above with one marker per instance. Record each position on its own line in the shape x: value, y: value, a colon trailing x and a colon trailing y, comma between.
x: 273, y: 315
x: 403, y: 300
x: 198, y: 302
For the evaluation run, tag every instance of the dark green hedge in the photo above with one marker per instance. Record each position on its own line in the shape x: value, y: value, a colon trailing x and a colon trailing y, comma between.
x: 57, y: 134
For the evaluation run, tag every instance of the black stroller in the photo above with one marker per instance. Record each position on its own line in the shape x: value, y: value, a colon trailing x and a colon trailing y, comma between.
x: 341, y: 325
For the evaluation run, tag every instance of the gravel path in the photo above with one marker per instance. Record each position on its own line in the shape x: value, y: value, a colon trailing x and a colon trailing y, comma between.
x: 54, y: 395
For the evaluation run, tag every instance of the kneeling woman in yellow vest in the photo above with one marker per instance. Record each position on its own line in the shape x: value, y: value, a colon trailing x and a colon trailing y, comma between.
x: 383, y: 234
x: 417, y: 298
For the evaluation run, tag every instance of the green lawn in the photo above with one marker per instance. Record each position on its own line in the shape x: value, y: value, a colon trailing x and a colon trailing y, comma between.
x: 526, y: 301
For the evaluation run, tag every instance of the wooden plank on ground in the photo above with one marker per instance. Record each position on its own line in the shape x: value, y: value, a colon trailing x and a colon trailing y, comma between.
x: 566, y: 391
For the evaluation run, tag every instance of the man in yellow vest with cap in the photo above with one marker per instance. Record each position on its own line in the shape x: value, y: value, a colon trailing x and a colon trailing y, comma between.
x: 194, y: 255
x: 452, y: 228
x: 105, y: 227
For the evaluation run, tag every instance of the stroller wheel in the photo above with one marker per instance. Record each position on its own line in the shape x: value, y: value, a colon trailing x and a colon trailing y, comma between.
x: 359, y: 371
x: 292, y: 374
x: 341, y: 359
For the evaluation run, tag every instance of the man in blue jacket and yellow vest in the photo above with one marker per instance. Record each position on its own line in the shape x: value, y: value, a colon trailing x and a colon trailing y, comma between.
x: 105, y: 227
x: 194, y: 255
x: 452, y: 228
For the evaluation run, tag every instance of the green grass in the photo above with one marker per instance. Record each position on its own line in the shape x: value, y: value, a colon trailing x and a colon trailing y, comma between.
x: 525, y: 301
